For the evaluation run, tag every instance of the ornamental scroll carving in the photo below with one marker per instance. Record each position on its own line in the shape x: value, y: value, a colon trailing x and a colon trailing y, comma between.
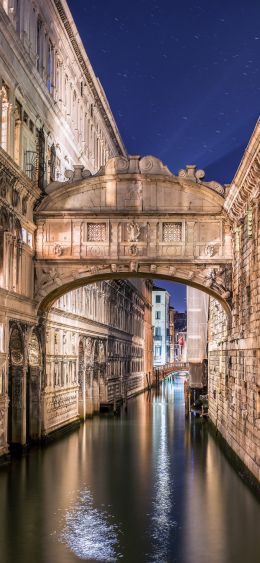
x: 219, y: 280
x: 44, y: 277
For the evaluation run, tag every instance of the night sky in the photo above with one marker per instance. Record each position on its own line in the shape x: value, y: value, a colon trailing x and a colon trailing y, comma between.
x: 182, y: 78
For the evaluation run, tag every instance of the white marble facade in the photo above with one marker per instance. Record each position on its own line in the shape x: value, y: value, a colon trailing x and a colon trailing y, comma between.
x: 95, y: 353
x: 53, y: 115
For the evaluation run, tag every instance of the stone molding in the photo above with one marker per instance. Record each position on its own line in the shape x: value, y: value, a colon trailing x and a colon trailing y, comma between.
x: 245, y: 188
x: 78, y: 49
x: 214, y: 279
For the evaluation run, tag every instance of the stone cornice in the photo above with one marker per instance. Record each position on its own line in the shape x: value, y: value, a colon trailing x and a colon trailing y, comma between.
x: 95, y: 324
x: 245, y: 187
x: 98, y: 95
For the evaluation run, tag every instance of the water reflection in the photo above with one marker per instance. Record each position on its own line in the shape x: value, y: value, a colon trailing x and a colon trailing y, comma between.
x: 89, y: 532
x: 148, y: 486
x: 163, y: 486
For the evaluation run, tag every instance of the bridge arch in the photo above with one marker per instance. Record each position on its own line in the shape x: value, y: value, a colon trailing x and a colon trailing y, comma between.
x: 56, y: 292
x: 134, y: 218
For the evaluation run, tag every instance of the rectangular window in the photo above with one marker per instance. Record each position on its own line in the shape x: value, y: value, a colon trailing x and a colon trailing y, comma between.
x: 157, y: 299
x: 39, y: 44
x: 157, y: 351
x: 172, y: 232
x: 50, y: 67
x: 96, y: 232
x: 157, y: 331
x: 157, y: 314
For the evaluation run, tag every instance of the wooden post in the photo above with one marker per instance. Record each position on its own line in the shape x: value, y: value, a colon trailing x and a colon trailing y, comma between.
x: 114, y: 402
x: 187, y: 398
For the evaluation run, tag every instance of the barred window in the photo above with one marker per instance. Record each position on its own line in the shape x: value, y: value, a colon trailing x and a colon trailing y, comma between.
x: 172, y: 232
x: 96, y: 232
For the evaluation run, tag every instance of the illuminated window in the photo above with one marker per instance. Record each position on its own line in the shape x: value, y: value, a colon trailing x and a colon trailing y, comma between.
x: 157, y: 351
x: 5, y: 117
x: 1, y: 337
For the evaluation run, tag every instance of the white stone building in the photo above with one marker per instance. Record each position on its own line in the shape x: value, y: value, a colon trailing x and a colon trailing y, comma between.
x: 161, y: 326
x: 95, y: 351
x: 54, y: 113
x: 55, y: 120
x: 197, y: 335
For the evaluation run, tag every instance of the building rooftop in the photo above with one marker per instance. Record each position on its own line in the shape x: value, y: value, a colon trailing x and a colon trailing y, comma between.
x: 156, y: 288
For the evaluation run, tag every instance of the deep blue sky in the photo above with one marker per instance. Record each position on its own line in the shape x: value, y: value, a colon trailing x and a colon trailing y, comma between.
x: 182, y: 77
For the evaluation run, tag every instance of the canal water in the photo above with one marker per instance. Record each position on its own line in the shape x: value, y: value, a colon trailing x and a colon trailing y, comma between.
x: 148, y: 486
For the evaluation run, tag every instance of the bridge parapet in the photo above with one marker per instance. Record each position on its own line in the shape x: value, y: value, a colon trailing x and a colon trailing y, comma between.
x: 133, y: 218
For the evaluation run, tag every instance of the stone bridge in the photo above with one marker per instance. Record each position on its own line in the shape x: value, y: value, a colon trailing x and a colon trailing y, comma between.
x: 133, y: 218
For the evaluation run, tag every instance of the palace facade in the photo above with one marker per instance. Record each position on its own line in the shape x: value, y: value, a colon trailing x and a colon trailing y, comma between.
x: 55, y: 119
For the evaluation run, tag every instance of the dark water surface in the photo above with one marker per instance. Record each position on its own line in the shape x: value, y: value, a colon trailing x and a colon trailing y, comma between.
x: 146, y: 487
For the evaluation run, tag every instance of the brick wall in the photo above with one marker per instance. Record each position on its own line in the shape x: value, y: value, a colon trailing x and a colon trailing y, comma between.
x: 234, y: 349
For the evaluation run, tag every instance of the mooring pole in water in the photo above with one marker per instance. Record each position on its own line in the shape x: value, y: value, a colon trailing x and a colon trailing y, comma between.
x: 187, y: 398
x: 126, y: 405
x: 125, y: 398
x: 114, y: 401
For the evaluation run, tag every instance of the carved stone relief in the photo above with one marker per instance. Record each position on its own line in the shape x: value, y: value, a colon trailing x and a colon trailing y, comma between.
x: 24, y: 205
x: 15, y: 198
x: 16, y: 347
x: 34, y: 353
x: 58, y: 250
x: 133, y: 250
x: 134, y: 231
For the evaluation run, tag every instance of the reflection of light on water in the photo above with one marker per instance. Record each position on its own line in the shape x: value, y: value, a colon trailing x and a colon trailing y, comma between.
x: 88, y: 532
x: 162, y: 503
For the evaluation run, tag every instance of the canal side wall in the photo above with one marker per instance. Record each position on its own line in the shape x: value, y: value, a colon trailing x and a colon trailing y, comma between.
x: 233, y: 374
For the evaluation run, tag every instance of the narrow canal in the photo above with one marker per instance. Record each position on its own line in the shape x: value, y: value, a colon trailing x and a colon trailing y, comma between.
x: 147, y: 486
